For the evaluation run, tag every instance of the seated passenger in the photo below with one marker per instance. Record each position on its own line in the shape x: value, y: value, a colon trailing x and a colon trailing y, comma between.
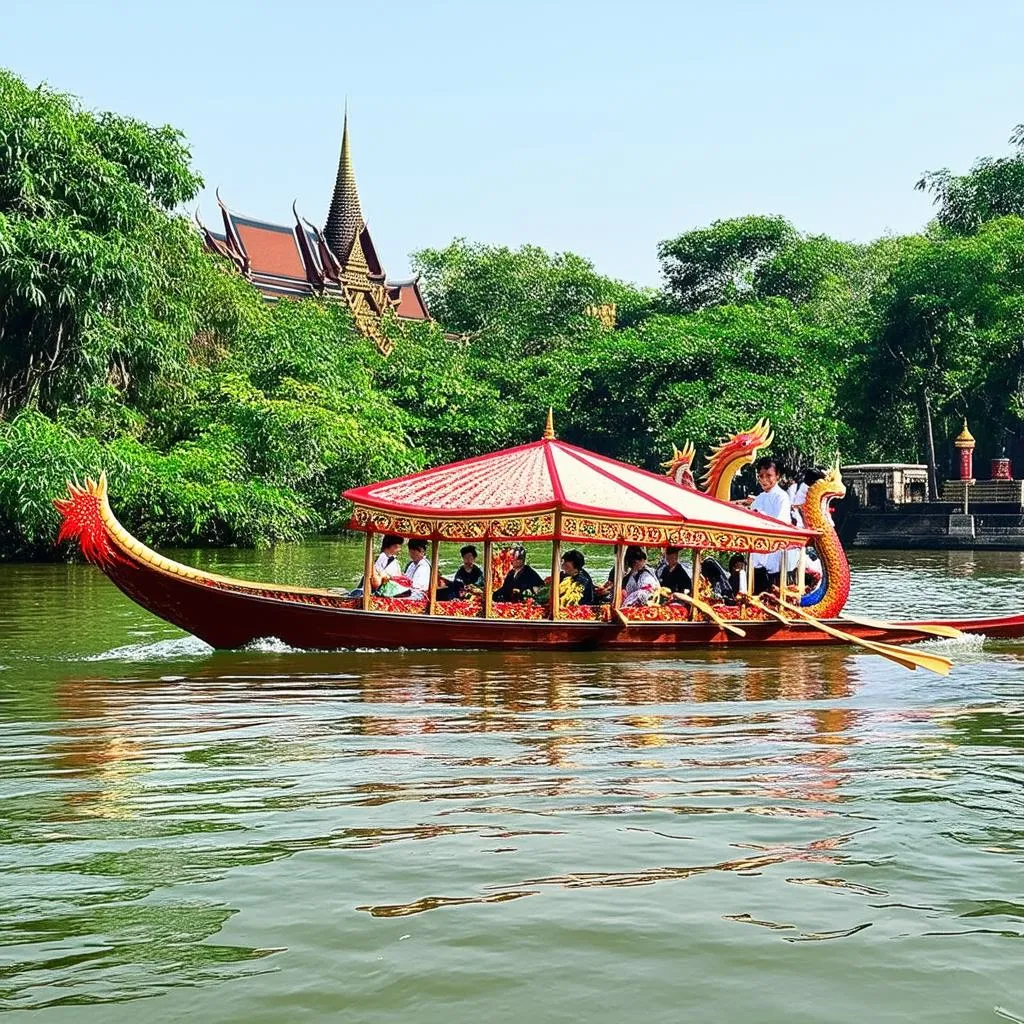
x: 671, y: 575
x: 572, y: 568
x: 721, y: 589
x: 522, y: 579
x: 469, y: 574
x: 387, y: 563
x: 418, y: 571
x: 641, y: 584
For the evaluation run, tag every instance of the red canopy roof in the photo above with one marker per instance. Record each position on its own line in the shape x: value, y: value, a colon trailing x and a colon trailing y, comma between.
x: 551, y: 489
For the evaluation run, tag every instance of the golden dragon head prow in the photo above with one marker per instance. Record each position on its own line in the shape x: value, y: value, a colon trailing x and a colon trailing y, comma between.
x: 820, y: 495
x: 680, y: 466
x: 731, y: 455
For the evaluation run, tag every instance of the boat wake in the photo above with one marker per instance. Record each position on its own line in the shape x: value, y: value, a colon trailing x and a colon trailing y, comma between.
x: 159, y: 650
x: 966, y: 643
x: 271, y: 645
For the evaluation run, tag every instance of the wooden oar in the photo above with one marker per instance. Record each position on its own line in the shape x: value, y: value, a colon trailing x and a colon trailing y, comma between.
x: 950, y: 632
x: 909, y: 659
x: 711, y: 614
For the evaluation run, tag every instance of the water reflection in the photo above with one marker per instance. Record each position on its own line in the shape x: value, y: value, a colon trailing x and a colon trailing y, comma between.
x: 169, y: 825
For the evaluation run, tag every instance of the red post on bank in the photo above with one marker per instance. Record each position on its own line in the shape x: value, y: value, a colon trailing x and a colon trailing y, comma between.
x: 965, y: 445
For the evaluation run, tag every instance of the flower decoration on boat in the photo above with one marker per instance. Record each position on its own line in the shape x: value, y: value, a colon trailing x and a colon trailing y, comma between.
x: 462, y: 529
x: 467, y: 609
x: 398, y: 604
x: 569, y: 592
x: 586, y: 612
x: 501, y: 566
x: 528, y: 609
x: 657, y: 613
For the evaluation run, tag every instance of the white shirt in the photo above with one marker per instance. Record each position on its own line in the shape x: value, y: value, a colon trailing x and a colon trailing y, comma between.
x: 775, y: 504
x: 385, y: 562
x: 419, y: 573
x: 639, y: 587
x: 797, y: 499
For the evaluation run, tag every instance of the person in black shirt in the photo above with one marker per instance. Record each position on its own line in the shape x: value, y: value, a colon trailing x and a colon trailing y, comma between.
x: 721, y: 589
x: 521, y: 577
x: 469, y: 574
x: 572, y: 566
x: 672, y: 575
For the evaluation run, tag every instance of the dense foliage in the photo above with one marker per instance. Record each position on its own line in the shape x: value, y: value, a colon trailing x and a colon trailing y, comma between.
x: 222, y: 419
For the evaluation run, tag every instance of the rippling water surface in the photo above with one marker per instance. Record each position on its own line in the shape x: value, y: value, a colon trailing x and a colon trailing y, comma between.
x: 274, y: 835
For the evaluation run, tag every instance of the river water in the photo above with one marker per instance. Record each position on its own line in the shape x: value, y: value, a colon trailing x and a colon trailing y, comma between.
x: 274, y: 835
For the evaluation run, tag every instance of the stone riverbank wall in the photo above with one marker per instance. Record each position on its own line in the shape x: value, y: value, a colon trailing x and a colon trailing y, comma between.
x: 937, y: 525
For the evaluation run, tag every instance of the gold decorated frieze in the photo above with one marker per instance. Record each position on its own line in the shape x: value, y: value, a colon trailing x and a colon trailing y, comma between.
x: 583, y: 529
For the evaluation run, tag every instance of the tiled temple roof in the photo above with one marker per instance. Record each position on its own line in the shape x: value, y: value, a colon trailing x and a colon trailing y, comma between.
x: 301, y: 260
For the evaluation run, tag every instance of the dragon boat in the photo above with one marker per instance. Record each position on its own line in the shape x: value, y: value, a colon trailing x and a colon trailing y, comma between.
x: 550, y: 491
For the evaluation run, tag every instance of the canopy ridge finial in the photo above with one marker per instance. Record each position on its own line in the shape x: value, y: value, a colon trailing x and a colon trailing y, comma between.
x: 549, y: 427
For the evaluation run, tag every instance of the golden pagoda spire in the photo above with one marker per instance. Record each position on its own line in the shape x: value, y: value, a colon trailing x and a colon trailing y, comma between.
x: 345, y: 217
x: 549, y: 427
x: 965, y: 439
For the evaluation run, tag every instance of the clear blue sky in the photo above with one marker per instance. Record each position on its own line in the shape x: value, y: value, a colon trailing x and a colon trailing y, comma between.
x: 589, y: 126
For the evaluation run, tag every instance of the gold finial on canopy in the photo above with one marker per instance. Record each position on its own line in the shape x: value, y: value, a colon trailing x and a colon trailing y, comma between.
x: 549, y: 427
x: 965, y: 438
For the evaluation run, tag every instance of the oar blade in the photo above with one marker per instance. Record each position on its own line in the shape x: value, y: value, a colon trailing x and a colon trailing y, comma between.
x: 930, y: 628
x: 909, y: 659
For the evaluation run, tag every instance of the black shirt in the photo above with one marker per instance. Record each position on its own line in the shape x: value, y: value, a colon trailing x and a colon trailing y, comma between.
x: 461, y: 579
x: 516, y: 582
x: 675, y: 578
x: 471, y: 577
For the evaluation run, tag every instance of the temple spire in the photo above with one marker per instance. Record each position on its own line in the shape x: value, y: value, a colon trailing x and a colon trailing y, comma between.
x: 549, y: 427
x: 345, y: 218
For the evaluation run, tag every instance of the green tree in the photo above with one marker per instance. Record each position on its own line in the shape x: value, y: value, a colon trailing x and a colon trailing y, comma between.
x: 699, y: 376
x: 84, y: 233
x: 994, y: 187
x: 512, y: 303
x: 949, y: 342
x: 299, y: 401
x: 718, y: 264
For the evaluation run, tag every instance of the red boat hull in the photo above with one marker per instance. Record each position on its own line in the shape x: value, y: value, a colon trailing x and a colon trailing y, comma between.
x: 229, y: 619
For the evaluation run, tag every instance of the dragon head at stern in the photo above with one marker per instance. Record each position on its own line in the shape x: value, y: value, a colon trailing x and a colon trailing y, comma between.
x: 83, y: 519
x: 679, y: 467
x: 827, y: 599
x: 729, y: 457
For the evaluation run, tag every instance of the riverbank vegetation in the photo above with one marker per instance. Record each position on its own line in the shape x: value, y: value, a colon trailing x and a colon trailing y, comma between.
x: 221, y: 419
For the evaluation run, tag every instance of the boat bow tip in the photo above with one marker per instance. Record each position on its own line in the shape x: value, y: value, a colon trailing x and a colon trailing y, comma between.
x: 82, y: 519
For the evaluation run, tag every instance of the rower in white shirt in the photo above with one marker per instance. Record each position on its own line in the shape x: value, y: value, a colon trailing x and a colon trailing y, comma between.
x: 387, y: 563
x: 418, y: 570
x: 774, y: 502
